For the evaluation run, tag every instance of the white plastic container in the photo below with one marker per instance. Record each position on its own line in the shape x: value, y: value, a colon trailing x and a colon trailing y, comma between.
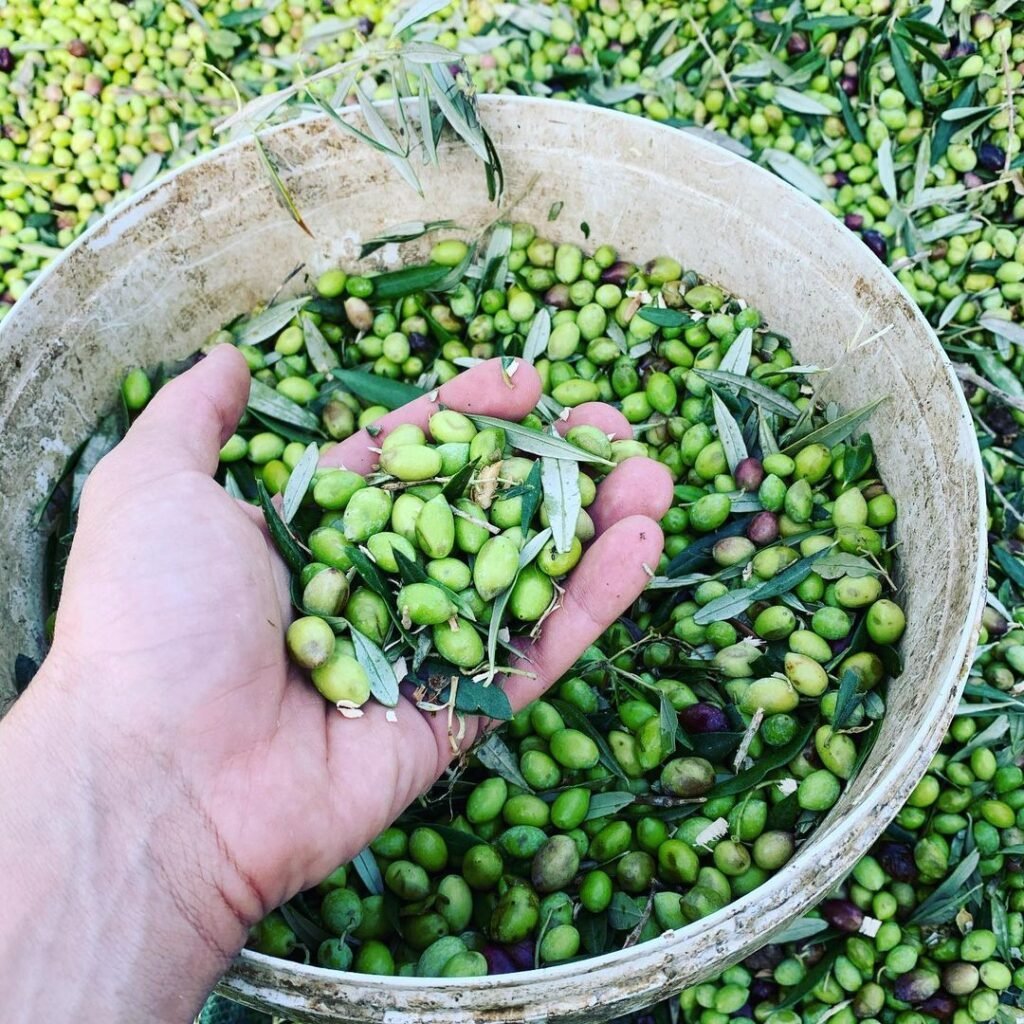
x: 153, y: 280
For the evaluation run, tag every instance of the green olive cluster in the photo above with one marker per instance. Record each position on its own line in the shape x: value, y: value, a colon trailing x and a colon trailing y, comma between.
x: 449, y: 527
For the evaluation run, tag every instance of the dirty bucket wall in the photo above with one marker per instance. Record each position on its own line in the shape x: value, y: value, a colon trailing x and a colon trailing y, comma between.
x: 153, y: 281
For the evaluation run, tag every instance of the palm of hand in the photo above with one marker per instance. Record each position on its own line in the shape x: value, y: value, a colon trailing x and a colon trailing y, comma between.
x: 175, y: 605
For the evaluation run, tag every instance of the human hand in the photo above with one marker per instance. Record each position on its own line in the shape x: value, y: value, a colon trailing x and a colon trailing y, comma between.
x: 226, y: 777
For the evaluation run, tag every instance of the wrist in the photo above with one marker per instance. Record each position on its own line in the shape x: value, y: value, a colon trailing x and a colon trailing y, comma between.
x: 120, y: 905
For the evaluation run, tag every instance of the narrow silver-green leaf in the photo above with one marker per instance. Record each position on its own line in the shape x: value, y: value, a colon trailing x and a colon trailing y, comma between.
x: 321, y: 355
x: 841, y: 563
x: 729, y: 433
x: 383, y: 682
x: 535, y: 442
x: 760, y: 394
x: 801, y: 929
x: 765, y: 434
x: 419, y: 11
x: 398, y: 233
x: 382, y: 132
x: 366, y: 868
x: 604, y: 805
x: 496, y: 257
x: 799, y: 102
x: 726, y: 607
x: 838, y: 430
x: 298, y: 482
x: 264, y: 399
x: 494, y: 754
x: 798, y: 174
x: 1012, y: 332
x: 269, y: 322
x: 560, y: 479
x: 283, y: 193
x: 886, y: 169
x: 537, y: 340
x: 737, y: 359
x: 457, y: 109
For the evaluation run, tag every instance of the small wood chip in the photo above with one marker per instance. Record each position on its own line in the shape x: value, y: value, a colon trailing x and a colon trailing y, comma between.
x: 486, y: 483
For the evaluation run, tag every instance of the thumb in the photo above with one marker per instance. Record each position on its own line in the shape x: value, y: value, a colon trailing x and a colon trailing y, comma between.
x: 190, y: 418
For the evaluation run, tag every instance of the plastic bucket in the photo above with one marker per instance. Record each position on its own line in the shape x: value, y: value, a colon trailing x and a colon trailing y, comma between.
x: 153, y: 280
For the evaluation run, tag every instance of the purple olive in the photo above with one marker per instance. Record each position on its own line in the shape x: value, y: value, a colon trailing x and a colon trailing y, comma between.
x: 558, y: 296
x: 991, y: 157
x: 916, y: 986
x: 77, y: 48
x: 838, y: 646
x: 962, y: 50
x: 702, y: 718
x: 897, y: 860
x: 618, y: 273
x: 763, y: 989
x: 854, y: 221
x: 972, y: 180
x: 365, y: 26
x: 849, y: 84
x: 522, y: 954
x: 767, y: 958
x: 994, y: 622
x: 763, y: 528
x: 749, y: 474
x: 841, y: 178
x: 877, y: 244
x: 797, y: 44
x: 419, y: 344
x: 842, y: 914
x: 939, y: 1005
x: 6, y: 60
x: 575, y: 50
x: 498, y: 961
x: 652, y: 364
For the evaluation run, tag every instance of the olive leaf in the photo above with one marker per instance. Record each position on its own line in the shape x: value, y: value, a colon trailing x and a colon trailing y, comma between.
x: 496, y: 258
x: 298, y: 482
x: 381, y: 673
x: 286, y: 544
x: 603, y: 805
x: 265, y: 400
x: 392, y: 394
x: 474, y: 698
x: 803, y: 928
x: 560, y: 480
x: 820, y: 970
x: 800, y: 103
x: 399, y: 233
x: 737, y: 359
x: 727, y: 606
x: 664, y: 317
x: 745, y: 781
x: 529, y: 552
x: 280, y: 188
x: 838, y: 430
x: 321, y: 355
x: 537, y: 340
x: 397, y: 284
x: 760, y: 394
x: 840, y: 563
x: 456, y: 486
x: 847, y: 699
x: 942, y: 905
x: 307, y: 931
x: 255, y: 329
x: 494, y: 754
x: 536, y: 442
x: 102, y: 441
x: 798, y: 174
x: 729, y: 433
x: 366, y: 868
x: 668, y: 721
x: 531, y: 495
x: 765, y: 434
x: 986, y: 738
x: 418, y: 12
x: 625, y: 912
x: 886, y: 170
x: 593, y: 929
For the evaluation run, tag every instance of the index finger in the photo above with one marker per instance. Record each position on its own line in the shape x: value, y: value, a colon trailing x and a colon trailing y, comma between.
x: 486, y: 390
